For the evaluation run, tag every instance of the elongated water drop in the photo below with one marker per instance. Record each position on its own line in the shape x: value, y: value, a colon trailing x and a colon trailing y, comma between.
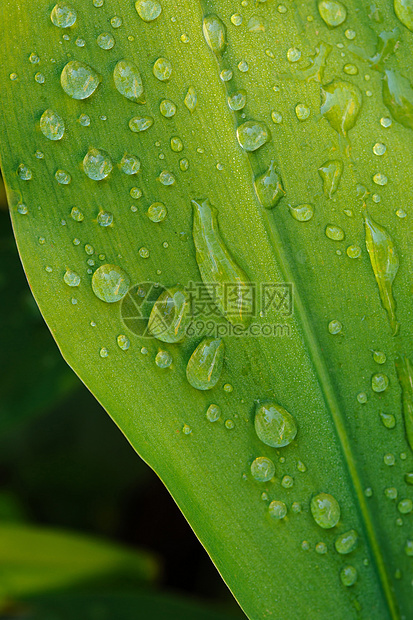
x: 63, y: 15
x: 330, y: 173
x: 348, y: 576
x: 79, y: 80
x: 385, y: 263
x: 205, y: 364
x: 404, y: 11
x: 274, y: 425
x: 128, y: 81
x: 52, y: 125
x: 218, y: 268
x: 191, y: 99
x: 268, y: 187
x: 215, y: 33
x: 97, y: 164
x: 110, y: 283
x: 302, y: 213
x: 170, y: 316
x: 252, y: 135
x: 404, y: 369
x: 140, y: 123
x: 398, y: 97
x: 332, y: 12
x: 148, y: 10
x: 346, y: 542
x: 340, y: 104
x: 325, y: 510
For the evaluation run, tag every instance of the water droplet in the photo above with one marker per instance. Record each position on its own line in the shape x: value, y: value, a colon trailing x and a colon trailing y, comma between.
x: 268, y: 187
x: 243, y: 66
x: 389, y: 460
x: 116, y: 22
x: 228, y: 388
x: 401, y: 213
x: 404, y: 369
x: 405, y: 506
x: 162, y: 69
x: 176, y: 144
x: 335, y: 327
x: 106, y: 41
x: 408, y: 548
x: 346, y: 542
x: 77, y: 214
x: 97, y: 164
x: 148, y: 10
x: 321, y: 548
x: 213, y: 413
x: 215, y: 33
x: 330, y: 173
x: 325, y: 510
x: 362, y: 398
x: 34, y: 59
x: 217, y: 267
x: 89, y: 249
x: 388, y: 419
x: 379, y: 382
x: 274, y: 425
x: 123, y: 342
x: 166, y: 178
x: 350, y: 34
x: 379, y: 148
x: 252, y: 135
x: 368, y: 492
x: 226, y: 75
x: 128, y: 81
x: 110, y: 283
x: 105, y: 218
x: 52, y: 125
x: 353, y: 251
x: 404, y: 11
x: 63, y: 15
x: 398, y: 97
x: 167, y: 108
x: 287, y: 482
x: 350, y: 69
x: 293, y: 54
x: 385, y: 263
x: 157, y: 212
x: 205, y: 365
x: 276, y: 117
x: 79, y: 80
x: 332, y: 12
x: 302, y: 213
x: 62, y: 177
x: 348, y: 576
x: 140, y: 123
x: 391, y: 493
x: 184, y: 164
x: 305, y: 545
x: 334, y: 232
x: 84, y: 120
x: 340, y: 104
x: 296, y: 507
x: 380, y: 179
x: 237, y: 100
x: 236, y: 19
x: 144, y: 252
x: 163, y: 359
x: 130, y: 164
x: 24, y: 173
x: 169, y: 317
x: 262, y: 469
x: 22, y: 209
x: 302, y: 111
x: 39, y: 155
x: 103, y: 352
x: 191, y: 99
x: 135, y: 192
x: 277, y: 509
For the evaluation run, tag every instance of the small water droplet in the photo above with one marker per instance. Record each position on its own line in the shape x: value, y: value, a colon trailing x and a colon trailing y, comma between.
x: 128, y: 81
x: 334, y: 232
x: 226, y: 75
x: 405, y: 506
x: 302, y: 111
x: 325, y: 510
x: 346, y: 542
x: 71, y: 278
x: 333, y: 13
x: 362, y: 398
x: 340, y: 104
x: 130, y: 164
x: 110, y: 283
x: 293, y: 54
x: 379, y: 148
x: 404, y: 11
x: 335, y: 327
x: 140, y: 123
x: 348, y: 576
x: 379, y: 357
x: 191, y: 99
x: 52, y: 125
x: 262, y: 469
x: 106, y: 41
x: 116, y: 22
x: 77, y: 214
x: 63, y: 15
x: 389, y: 459
x: 408, y: 548
x: 79, y: 80
x: 302, y: 213
x: 22, y: 209
x: 287, y: 482
x: 350, y: 34
x: 388, y: 419
x: 243, y: 66
x: 123, y: 342
x: 379, y: 382
x: 408, y: 478
x: 321, y: 548
x: 353, y: 251
x: 162, y: 69
x: 215, y: 33
x: 277, y: 509
x: 105, y: 218
x: 252, y: 135
x: 163, y: 359
x: 236, y: 19
x: 62, y: 177
x: 276, y: 117
x: 330, y: 173
x: 148, y: 10
x: 380, y: 179
x: 24, y: 172
x: 350, y: 69
x: 166, y: 178
x: 213, y: 413
x: 237, y: 100
x: 167, y: 108
x: 205, y: 365
x: 274, y: 425
x: 157, y: 212
x: 169, y: 317
x: 268, y: 187
x: 97, y: 164
x: 144, y: 252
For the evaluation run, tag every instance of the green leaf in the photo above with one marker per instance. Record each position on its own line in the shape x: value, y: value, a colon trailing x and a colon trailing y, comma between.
x: 312, y: 98
x: 122, y: 606
x: 34, y: 561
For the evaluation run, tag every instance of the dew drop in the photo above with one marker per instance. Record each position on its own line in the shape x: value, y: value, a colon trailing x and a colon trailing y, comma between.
x: 157, y: 212
x: 130, y: 164
x: 97, y: 164
x: 213, y: 413
x: 105, y: 218
x: 78, y: 80
x: 237, y: 100
x: 287, y: 482
x: 116, y: 22
x: 404, y: 11
x: 84, y: 120
x: 302, y: 213
x: 348, y: 576
x: 167, y: 108
x: 77, y: 214
x: 71, y: 278
x: 236, y: 19
x: 332, y: 12
x: 162, y: 69
x: 215, y: 33
x: 140, y: 123
x: 321, y: 548
x: 277, y: 509
x: 191, y: 99
x: 205, y: 364
x: 135, y: 192
x: 143, y: 252
x: 123, y: 342
x: 408, y: 548
x: 163, y: 359
x: 243, y: 66
x: 170, y: 316
x: 340, y: 104
x: 379, y: 382
x: 362, y: 398
x: 252, y: 135
x: 405, y: 506
x: 346, y: 542
x: 389, y: 459
x: 268, y: 187
x: 52, y: 125
x: 262, y: 469
x: 22, y: 209
x: 226, y: 75
x: 106, y: 41
x: 293, y: 54
x: 334, y: 232
x: 62, y: 177
x: 128, y: 81
x: 330, y: 173
x: 63, y: 15
x: 103, y: 352
x: 110, y: 283
x: 276, y: 117
x: 24, y: 173
x: 166, y: 178
x: 325, y: 510
x: 350, y: 69
x: 302, y: 111
x: 274, y: 425
x: 148, y: 10
x: 398, y: 97
x: 408, y: 478
x: 335, y: 327
x: 391, y: 493
x: 379, y: 148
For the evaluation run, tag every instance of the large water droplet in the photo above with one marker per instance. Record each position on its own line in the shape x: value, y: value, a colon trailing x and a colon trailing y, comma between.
x: 215, y: 33
x: 262, y: 469
x: 268, y: 187
x: 170, y: 316
x: 340, y: 104
x: 325, y: 510
x: 330, y: 173
x: 148, y: 10
x: 128, y: 81
x: 205, y: 365
x: 110, y: 283
x: 404, y: 11
x: 97, y: 164
x: 346, y: 542
x: 63, y: 15
x: 398, y: 97
x: 332, y: 12
x: 274, y: 425
x: 79, y: 80
x: 52, y: 125
x: 252, y: 135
